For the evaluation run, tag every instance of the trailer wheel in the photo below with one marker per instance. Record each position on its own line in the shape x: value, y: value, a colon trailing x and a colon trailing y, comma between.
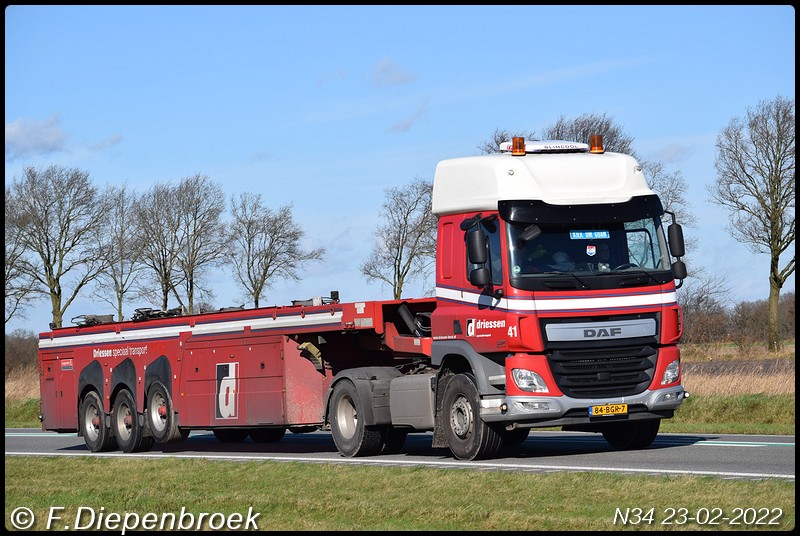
x: 350, y: 435
x: 468, y: 437
x: 230, y: 435
x: 125, y: 423
x: 161, y: 415
x: 93, y: 423
x: 267, y: 435
x: 631, y: 435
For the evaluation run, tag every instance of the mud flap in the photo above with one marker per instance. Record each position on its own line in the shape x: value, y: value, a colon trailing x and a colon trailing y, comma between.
x: 439, y: 439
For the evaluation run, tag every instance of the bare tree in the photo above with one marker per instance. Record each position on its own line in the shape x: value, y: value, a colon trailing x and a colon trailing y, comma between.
x: 581, y: 128
x: 405, y: 245
x: 203, y: 241
x: 492, y: 145
x: 671, y: 188
x: 756, y: 183
x: 20, y: 289
x: 267, y: 245
x: 21, y: 348
x: 157, y: 235
x: 122, y: 254
x: 64, y: 232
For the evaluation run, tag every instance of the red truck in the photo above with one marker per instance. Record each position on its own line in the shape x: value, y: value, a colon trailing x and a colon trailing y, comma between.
x: 555, y: 306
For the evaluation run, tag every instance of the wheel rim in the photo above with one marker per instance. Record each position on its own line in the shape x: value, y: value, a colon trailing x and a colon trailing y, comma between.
x: 124, y: 422
x: 461, y: 417
x: 92, y: 422
x: 158, y: 414
x: 347, y: 417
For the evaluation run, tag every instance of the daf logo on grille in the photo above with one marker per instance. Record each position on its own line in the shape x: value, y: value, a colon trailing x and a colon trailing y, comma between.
x: 616, y: 329
x: 602, y: 332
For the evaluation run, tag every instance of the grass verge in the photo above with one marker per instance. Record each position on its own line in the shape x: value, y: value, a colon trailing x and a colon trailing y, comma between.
x: 295, y: 496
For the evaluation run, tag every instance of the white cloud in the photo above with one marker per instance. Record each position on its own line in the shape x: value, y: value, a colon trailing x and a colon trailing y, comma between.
x: 406, y: 124
x: 26, y: 136
x: 388, y: 73
x: 106, y: 143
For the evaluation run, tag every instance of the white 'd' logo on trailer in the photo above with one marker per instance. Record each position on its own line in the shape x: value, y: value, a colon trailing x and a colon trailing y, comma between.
x: 227, y: 390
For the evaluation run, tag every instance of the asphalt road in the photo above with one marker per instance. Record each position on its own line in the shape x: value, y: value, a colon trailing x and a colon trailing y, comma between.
x: 724, y: 456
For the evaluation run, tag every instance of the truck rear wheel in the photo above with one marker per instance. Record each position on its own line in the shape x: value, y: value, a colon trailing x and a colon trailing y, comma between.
x: 468, y: 437
x: 160, y: 414
x: 631, y: 435
x: 125, y: 423
x: 93, y: 424
x: 350, y: 435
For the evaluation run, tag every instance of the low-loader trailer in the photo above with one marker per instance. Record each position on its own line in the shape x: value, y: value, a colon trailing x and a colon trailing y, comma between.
x: 555, y: 306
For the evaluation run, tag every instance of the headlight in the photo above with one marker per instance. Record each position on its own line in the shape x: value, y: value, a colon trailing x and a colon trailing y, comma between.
x: 528, y: 380
x: 672, y: 372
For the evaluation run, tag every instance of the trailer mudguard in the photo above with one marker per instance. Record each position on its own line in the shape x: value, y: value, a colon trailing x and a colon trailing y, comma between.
x: 124, y: 375
x: 159, y: 370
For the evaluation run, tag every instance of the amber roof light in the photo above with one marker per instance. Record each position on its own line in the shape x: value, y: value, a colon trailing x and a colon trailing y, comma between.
x: 518, y: 146
x: 596, y: 144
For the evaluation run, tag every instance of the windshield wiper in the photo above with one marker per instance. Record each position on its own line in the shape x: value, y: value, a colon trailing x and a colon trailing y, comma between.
x: 550, y: 284
x: 636, y: 277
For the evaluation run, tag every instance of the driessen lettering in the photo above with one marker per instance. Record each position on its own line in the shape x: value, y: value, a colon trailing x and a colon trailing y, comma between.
x: 489, y: 324
x: 119, y: 352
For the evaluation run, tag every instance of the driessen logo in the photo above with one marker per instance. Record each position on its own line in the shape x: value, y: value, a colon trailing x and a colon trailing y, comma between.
x: 227, y: 390
x: 474, y: 325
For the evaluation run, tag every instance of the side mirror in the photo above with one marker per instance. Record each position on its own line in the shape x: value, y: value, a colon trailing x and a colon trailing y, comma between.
x: 476, y: 247
x: 679, y: 270
x: 675, y: 237
x: 480, y: 277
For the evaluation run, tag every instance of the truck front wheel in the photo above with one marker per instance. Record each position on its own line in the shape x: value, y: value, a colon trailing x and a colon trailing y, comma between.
x: 468, y: 437
x: 351, y: 435
x: 631, y: 435
x: 93, y: 424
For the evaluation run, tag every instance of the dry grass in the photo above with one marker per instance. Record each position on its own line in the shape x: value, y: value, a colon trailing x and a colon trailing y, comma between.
x: 727, y: 369
x: 741, y: 378
x: 719, y: 351
x: 22, y: 384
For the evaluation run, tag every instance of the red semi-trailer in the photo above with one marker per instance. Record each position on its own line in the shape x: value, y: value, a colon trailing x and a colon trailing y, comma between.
x: 555, y: 306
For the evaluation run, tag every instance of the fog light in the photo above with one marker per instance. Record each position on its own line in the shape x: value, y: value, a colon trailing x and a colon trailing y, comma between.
x: 535, y: 406
x: 527, y: 380
x: 670, y: 397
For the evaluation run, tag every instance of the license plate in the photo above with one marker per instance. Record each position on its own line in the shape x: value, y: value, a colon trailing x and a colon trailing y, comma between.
x: 608, y: 409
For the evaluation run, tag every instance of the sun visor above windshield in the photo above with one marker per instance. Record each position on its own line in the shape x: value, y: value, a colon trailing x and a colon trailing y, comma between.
x: 536, y: 211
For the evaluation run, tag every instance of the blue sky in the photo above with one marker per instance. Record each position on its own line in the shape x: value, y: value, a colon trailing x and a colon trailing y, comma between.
x: 325, y: 107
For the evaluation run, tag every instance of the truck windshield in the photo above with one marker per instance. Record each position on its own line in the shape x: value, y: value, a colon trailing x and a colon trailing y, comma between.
x: 600, y: 246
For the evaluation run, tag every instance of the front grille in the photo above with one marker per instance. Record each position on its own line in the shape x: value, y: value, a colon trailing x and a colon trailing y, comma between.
x: 603, y: 372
